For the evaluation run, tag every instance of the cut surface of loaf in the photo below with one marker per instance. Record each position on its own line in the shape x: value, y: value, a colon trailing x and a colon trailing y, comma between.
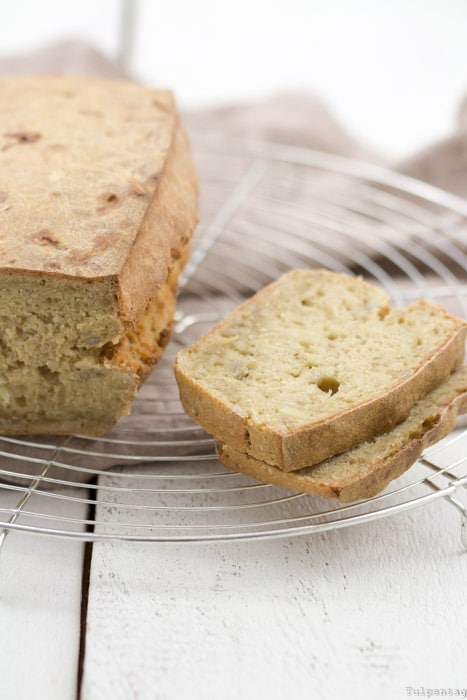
x: 98, y: 201
x: 367, y: 469
x: 313, y: 365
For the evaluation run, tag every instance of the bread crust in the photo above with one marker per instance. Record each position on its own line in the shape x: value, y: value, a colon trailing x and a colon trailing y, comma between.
x: 367, y: 469
x: 165, y: 231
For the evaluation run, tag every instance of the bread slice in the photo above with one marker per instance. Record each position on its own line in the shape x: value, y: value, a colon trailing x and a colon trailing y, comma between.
x: 367, y: 469
x: 98, y: 201
x: 313, y: 365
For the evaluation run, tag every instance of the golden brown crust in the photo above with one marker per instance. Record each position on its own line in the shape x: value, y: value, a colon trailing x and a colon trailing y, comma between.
x: 367, y: 469
x: 165, y: 231
x: 144, y: 342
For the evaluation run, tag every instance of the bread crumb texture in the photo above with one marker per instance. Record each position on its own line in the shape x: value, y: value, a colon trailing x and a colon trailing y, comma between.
x: 365, y: 470
x: 98, y: 200
x: 315, y: 363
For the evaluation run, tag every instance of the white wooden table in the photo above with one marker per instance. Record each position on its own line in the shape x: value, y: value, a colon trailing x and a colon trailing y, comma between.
x: 374, y: 610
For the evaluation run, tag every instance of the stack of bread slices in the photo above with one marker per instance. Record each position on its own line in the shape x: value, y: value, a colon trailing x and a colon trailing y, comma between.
x: 316, y: 384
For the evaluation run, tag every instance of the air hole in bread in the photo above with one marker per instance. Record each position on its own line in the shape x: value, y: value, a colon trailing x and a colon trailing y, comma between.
x: 328, y: 384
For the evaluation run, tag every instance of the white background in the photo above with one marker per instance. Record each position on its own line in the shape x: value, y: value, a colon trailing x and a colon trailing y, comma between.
x: 393, y: 71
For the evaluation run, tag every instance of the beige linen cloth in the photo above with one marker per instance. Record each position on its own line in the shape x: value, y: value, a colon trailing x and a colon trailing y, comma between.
x: 294, y: 119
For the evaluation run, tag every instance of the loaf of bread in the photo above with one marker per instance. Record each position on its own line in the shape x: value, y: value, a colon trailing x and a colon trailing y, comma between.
x: 367, y: 469
x: 313, y: 365
x: 98, y: 201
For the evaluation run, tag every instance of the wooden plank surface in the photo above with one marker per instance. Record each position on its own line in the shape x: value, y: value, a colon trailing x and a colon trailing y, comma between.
x: 367, y: 611
x: 40, y: 604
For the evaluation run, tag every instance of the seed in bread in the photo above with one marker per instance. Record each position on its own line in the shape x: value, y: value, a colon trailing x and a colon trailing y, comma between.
x: 367, y: 469
x: 98, y: 200
x: 313, y: 365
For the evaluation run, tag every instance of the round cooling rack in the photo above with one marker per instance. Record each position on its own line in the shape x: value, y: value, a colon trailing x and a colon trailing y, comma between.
x: 264, y: 209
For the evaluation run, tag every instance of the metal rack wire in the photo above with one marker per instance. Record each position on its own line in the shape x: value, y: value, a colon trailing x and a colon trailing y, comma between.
x: 264, y: 209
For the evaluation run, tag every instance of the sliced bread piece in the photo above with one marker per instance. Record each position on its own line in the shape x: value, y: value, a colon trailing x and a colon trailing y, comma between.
x: 98, y: 201
x: 364, y: 471
x: 313, y: 365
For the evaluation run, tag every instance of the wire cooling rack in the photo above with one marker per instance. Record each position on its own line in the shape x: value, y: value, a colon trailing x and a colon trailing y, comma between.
x: 264, y: 209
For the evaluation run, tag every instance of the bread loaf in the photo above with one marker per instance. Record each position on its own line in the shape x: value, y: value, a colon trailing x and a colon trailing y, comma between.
x: 97, y: 206
x: 313, y: 365
x: 367, y: 469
